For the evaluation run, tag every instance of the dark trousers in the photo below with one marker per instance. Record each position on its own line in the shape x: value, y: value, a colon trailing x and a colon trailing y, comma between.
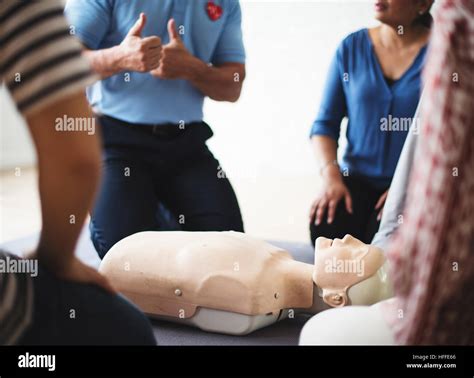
x: 362, y: 224
x: 160, y: 182
x: 68, y: 313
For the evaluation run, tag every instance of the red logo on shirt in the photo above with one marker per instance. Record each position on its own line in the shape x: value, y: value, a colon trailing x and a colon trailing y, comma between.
x: 214, y: 11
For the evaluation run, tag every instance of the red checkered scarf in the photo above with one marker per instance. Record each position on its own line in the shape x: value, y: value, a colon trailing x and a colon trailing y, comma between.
x: 432, y: 256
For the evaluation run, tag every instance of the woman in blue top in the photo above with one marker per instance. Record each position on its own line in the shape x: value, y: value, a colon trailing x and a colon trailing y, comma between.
x: 374, y: 81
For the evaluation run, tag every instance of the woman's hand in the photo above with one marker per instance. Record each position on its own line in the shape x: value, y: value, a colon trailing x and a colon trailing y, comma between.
x: 380, y: 204
x: 333, y: 191
x: 73, y: 269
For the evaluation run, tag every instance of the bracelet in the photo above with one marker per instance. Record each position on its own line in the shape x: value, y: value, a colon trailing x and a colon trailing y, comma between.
x: 325, y: 165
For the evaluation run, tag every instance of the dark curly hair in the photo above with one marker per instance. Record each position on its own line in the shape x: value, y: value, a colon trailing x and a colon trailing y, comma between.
x: 426, y: 19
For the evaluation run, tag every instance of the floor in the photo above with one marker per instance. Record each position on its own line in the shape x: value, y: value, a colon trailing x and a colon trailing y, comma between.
x: 273, y: 207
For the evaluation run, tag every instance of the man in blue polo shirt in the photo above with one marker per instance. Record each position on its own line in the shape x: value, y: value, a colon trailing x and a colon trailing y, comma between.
x: 158, y: 60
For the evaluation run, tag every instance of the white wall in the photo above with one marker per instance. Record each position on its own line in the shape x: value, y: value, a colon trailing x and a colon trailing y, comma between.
x: 289, y: 46
x: 15, y: 143
x: 262, y: 141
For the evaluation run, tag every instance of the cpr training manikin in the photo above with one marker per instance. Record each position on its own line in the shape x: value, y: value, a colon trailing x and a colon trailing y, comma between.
x: 230, y: 282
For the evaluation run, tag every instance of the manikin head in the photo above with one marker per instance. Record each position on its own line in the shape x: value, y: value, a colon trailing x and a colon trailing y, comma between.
x: 349, y: 271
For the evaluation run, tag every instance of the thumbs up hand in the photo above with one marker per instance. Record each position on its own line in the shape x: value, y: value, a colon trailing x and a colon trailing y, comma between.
x: 137, y: 28
x: 176, y: 61
x: 173, y: 33
x: 137, y: 53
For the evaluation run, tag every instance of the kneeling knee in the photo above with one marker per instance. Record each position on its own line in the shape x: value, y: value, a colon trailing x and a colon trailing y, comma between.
x: 136, y: 328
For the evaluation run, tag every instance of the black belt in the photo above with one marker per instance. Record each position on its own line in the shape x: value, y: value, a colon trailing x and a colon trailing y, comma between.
x: 165, y: 130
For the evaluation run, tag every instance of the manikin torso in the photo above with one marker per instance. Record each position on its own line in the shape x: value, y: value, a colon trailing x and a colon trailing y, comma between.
x: 232, y: 283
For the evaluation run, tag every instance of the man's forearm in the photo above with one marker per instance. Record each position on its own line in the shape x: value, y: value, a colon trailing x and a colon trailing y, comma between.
x: 106, y: 62
x: 223, y: 83
x: 133, y: 54
x: 66, y: 194
x: 69, y: 167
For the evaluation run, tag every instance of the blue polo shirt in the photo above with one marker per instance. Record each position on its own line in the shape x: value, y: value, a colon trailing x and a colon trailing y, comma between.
x: 378, y: 113
x: 139, y: 97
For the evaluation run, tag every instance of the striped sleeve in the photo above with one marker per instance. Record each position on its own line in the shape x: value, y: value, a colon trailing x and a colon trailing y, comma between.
x: 40, y: 60
x: 16, y: 301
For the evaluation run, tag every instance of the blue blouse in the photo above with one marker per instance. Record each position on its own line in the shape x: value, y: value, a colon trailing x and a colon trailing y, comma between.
x: 379, y: 114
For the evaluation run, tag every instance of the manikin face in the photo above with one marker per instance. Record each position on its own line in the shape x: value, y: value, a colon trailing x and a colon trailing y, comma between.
x: 341, y: 264
x: 400, y: 12
x: 343, y: 256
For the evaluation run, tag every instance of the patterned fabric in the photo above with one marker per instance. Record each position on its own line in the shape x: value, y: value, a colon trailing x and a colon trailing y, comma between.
x: 40, y: 62
x: 16, y: 300
x: 432, y: 256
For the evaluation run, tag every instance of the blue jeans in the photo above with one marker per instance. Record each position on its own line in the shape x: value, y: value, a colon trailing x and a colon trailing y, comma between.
x: 155, y: 183
x: 69, y: 313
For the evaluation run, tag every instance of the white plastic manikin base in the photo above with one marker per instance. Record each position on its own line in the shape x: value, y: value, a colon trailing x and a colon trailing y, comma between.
x: 226, y: 322
x: 224, y: 282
